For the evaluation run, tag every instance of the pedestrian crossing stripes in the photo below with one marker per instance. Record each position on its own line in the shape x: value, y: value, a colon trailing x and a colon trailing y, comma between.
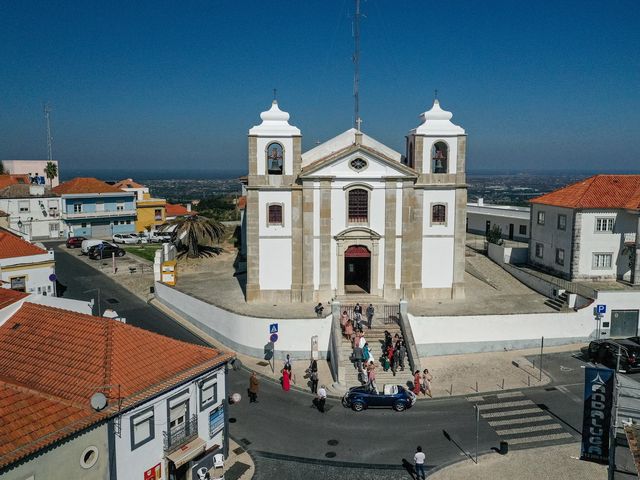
x: 519, y: 421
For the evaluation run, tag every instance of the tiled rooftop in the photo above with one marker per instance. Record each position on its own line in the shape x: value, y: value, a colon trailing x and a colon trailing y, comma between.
x: 128, y: 183
x: 9, y: 297
x: 12, y: 246
x: 85, y: 185
x: 177, y: 210
x: 49, y: 371
x: 7, y: 179
x: 599, y: 191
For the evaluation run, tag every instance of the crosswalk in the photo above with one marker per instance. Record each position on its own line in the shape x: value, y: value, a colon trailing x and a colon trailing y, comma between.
x: 519, y: 421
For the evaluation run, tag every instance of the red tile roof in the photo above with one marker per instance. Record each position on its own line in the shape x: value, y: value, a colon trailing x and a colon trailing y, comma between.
x: 6, y: 180
x: 12, y: 246
x: 599, y: 191
x: 177, y: 210
x: 85, y: 185
x: 52, y: 370
x: 9, y: 297
x: 128, y: 183
x: 242, y: 202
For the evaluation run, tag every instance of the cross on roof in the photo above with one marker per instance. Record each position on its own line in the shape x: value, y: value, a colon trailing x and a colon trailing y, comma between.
x: 359, y: 123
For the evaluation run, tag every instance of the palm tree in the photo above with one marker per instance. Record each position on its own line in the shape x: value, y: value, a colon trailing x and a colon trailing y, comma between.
x: 195, y: 236
x: 51, y: 171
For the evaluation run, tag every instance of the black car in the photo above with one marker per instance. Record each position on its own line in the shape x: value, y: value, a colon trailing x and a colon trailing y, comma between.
x: 606, y: 353
x: 395, y: 396
x: 634, y: 340
x: 105, y: 250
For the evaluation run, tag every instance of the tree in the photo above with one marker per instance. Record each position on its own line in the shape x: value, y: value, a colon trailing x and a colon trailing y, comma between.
x: 196, y: 236
x: 51, y: 171
x: 495, y: 235
x: 1, y: 168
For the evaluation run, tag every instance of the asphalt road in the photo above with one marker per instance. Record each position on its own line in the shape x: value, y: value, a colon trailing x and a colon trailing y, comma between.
x: 289, y: 439
x: 79, y: 282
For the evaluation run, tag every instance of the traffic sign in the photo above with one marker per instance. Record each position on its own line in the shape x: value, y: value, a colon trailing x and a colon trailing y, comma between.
x: 273, y: 337
x: 601, y: 309
x: 273, y: 328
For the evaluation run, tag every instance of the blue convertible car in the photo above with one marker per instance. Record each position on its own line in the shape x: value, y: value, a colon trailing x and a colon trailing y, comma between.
x: 395, y: 396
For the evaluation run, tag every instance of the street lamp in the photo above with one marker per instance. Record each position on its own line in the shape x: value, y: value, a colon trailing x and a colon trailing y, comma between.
x: 19, y: 224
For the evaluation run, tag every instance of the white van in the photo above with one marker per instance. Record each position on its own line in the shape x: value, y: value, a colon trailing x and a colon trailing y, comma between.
x: 91, y: 242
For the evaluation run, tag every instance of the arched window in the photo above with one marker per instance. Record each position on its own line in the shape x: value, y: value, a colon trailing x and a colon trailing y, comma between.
x: 438, y: 214
x: 358, y: 205
x: 274, y: 159
x: 275, y: 214
x: 439, y: 157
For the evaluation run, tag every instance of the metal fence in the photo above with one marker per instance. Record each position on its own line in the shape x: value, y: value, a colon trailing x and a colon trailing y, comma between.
x: 179, y: 435
x: 388, y: 313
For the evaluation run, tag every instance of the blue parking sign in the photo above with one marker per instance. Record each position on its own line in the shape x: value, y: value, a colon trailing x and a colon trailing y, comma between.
x: 601, y: 309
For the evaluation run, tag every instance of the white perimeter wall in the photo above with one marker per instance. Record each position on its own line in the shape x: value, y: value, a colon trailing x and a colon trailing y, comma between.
x: 248, y: 335
x: 275, y: 243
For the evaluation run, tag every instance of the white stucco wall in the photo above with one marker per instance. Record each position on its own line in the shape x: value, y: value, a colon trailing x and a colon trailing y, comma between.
x: 275, y: 263
x: 431, y: 198
x: 477, y: 217
x: 551, y: 237
x: 248, y: 335
x: 36, y: 221
x: 451, y: 141
x: 437, y: 262
x: 131, y: 465
x: 36, y: 269
x: 287, y: 146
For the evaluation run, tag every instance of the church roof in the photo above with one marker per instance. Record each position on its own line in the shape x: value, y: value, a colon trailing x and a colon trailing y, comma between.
x: 343, y: 141
x: 275, y: 122
x: 437, y: 122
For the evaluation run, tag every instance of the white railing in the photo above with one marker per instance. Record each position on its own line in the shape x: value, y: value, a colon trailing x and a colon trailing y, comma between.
x: 110, y: 213
x: 629, y: 238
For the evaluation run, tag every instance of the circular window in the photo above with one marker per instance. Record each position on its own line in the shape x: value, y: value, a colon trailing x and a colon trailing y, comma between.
x: 89, y: 457
x: 358, y: 164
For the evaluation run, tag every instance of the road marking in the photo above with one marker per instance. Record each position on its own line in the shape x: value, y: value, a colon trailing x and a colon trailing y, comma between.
x: 572, y: 396
x: 542, y: 438
x: 476, y: 399
x: 494, y: 406
x: 510, y: 394
x: 530, y: 428
x: 565, y: 369
x: 515, y: 421
x: 511, y: 413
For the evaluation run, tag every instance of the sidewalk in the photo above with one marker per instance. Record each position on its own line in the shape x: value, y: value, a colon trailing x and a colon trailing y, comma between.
x: 533, y: 464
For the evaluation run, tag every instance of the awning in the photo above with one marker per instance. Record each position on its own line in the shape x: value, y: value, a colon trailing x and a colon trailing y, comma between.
x: 187, y: 452
x: 357, y: 251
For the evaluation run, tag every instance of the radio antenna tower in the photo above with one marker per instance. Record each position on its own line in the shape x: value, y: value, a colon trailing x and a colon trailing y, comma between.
x: 47, y: 113
x: 356, y: 62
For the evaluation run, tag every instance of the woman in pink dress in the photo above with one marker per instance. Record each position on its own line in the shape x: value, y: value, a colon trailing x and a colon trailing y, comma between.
x: 286, y: 377
x: 416, y: 382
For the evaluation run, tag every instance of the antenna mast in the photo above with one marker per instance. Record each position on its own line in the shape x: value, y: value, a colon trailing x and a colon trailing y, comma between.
x: 356, y: 61
x: 47, y: 112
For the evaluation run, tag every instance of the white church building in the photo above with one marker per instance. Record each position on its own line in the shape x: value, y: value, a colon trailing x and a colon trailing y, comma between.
x: 353, y: 216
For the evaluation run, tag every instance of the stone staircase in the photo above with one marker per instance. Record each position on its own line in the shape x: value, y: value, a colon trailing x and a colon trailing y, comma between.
x: 375, y: 339
x: 559, y: 303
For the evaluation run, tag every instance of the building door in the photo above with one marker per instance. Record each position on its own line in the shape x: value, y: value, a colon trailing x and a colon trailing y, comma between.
x: 357, y: 270
x: 101, y: 230
x: 624, y: 323
x: 511, y: 231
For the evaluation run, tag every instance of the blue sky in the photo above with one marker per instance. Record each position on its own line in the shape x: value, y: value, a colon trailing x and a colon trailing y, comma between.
x: 176, y: 85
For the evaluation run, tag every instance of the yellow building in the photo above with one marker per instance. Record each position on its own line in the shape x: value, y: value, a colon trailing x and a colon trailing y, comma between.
x: 150, y: 212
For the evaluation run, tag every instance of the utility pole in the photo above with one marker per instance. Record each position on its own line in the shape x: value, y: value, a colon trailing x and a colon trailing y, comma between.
x: 47, y: 114
x: 356, y: 62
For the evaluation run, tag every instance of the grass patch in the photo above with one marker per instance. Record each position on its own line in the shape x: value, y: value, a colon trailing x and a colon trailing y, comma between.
x: 146, y: 251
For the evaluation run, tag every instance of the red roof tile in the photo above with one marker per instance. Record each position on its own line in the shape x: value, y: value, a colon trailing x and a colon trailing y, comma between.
x: 85, y: 185
x: 6, y: 180
x: 12, y: 246
x: 242, y: 202
x: 128, y: 183
x: 177, y: 210
x: 9, y: 297
x: 599, y: 191
x: 52, y: 370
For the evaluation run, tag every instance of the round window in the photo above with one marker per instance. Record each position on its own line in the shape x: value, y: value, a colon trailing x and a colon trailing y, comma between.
x: 89, y: 457
x: 358, y: 164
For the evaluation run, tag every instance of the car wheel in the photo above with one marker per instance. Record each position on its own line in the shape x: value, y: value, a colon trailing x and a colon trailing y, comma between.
x: 358, y: 406
x: 399, y: 406
x: 121, y: 253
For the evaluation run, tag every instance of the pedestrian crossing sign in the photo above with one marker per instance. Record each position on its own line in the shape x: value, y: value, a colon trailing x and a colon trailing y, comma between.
x: 273, y: 328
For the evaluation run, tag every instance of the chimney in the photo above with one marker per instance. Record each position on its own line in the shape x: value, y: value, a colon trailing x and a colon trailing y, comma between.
x: 189, y: 206
x: 480, y: 202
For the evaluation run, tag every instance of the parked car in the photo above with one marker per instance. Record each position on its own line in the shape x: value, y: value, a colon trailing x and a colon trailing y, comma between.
x: 161, y: 237
x: 90, y: 242
x: 395, y: 396
x: 126, y: 238
x: 606, y: 353
x: 634, y: 340
x: 142, y: 238
x: 105, y: 250
x: 75, y: 242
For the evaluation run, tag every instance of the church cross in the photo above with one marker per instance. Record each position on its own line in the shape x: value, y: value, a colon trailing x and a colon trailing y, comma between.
x: 359, y: 123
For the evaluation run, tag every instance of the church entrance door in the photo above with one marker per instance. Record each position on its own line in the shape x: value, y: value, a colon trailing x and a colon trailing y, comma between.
x: 357, y: 269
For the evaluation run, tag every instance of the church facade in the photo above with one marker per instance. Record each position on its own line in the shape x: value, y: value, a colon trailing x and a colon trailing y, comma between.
x: 353, y: 216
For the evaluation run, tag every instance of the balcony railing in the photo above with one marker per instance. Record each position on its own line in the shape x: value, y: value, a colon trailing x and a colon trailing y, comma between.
x: 177, y: 436
x: 629, y: 238
x: 109, y: 214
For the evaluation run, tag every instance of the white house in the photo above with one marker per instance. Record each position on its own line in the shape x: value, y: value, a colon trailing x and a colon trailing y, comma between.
x: 353, y: 216
x: 137, y: 406
x: 34, y: 168
x: 513, y: 221
x: 25, y: 267
x: 33, y: 210
x: 589, y: 230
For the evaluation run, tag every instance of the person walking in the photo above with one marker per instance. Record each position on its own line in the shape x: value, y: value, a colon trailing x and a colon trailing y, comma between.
x: 395, y: 361
x: 366, y: 354
x: 426, y: 382
x: 418, y: 460
x: 402, y: 353
x: 286, y: 379
x: 313, y: 376
x: 358, y: 357
x: 416, y: 382
x: 254, y: 386
x: 321, y: 399
x: 370, y: 313
x: 371, y: 375
x: 318, y: 309
x: 288, y: 363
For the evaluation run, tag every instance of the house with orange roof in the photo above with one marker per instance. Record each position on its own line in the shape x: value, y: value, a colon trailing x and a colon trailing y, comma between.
x: 104, y: 399
x: 93, y: 208
x: 26, y: 267
x: 589, y: 230
x: 150, y: 212
x: 175, y: 211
